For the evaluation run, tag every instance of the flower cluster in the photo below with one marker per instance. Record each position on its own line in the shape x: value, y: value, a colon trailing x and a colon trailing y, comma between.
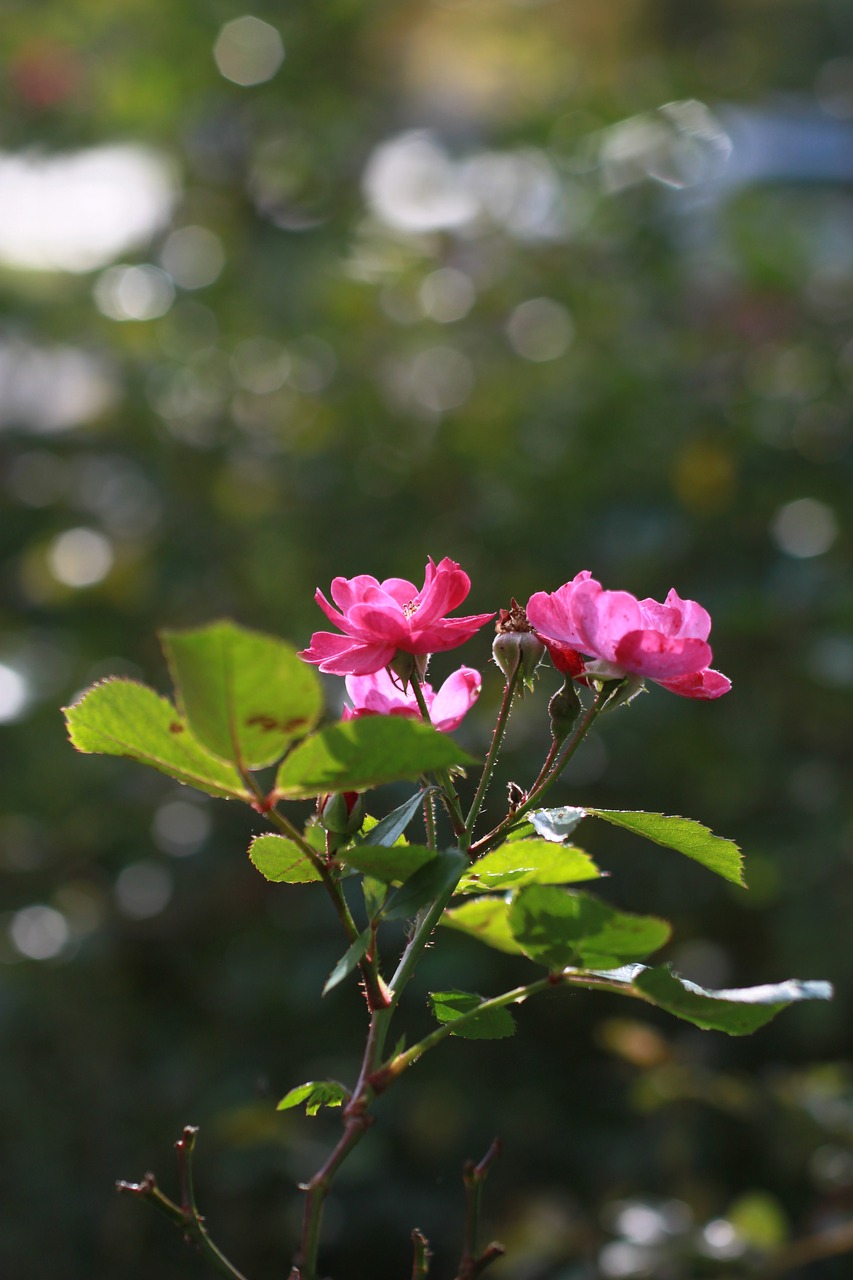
x: 589, y: 633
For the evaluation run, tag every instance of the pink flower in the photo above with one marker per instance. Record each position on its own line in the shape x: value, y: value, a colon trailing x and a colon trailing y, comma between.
x: 379, y: 618
x: 379, y: 695
x: 667, y: 643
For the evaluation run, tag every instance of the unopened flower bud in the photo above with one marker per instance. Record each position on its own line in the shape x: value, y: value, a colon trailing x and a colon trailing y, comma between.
x: 341, y: 813
x: 516, y: 645
x: 563, y: 709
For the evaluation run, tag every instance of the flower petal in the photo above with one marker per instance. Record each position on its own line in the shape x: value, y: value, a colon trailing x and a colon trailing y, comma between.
x: 648, y: 653
x: 701, y: 684
x: 455, y: 699
x: 603, y: 618
x: 343, y: 656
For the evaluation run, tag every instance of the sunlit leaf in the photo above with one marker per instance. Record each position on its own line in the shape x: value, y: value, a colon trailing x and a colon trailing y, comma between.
x: 684, y: 834
x: 122, y: 718
x: 315, y: 1094
x: 448, y: 1006
x: 558, y: 928
x: 282, y: 861
x: 522, y: 862
x: 739, y: 1011
x: 486, y: 919
x: 245, y: 695
x: 356, y: 754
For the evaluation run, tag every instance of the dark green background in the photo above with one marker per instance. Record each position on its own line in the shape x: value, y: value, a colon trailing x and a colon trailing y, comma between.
x: 707, y: 385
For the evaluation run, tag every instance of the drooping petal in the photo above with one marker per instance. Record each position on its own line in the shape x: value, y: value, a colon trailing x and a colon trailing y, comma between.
x: 648, y: 653
x: 455, y: 699
x: 343, y: 656
x: 329, y: 609
x: 701, y: 684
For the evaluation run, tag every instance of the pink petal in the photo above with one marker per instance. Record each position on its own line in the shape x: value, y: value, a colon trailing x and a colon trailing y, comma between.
x: 444, y: 588
x: 329, y: 610
x: 552, y: 615
x: 701, y: 684
x: 455, y: 699
x: 445, y: 634
x: 349, y: 591
x: 695, y: 621
x: 603, y: 618
x: 400, y: 590
x: 341, y: 656
x: 648, y: 653
x: 660, y: 617
x: 377, y: 623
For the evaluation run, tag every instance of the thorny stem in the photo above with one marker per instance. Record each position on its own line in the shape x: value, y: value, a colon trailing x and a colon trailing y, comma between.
x: 186, y: 1215
x: 369, y: 966
x: 421, y: 1249
x: 572, y: 977
x: 474, y: 1175
x: 491, y: 758
x: 538, y: 790
x: 448, y: 791
x: 357, y: 1121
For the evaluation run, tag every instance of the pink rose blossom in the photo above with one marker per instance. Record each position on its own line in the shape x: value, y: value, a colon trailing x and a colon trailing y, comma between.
x: 379, y: 618
x: 380, y: 694
x: 667, y: 643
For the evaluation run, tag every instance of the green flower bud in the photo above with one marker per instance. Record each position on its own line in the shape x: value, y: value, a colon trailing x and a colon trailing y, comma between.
x: 563, y: 709
x: 516, y: 644
x: 341, y: 813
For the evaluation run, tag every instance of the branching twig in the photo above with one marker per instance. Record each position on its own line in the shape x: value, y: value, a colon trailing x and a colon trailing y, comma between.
x: 472, y: 1263
x: 186, y: 1215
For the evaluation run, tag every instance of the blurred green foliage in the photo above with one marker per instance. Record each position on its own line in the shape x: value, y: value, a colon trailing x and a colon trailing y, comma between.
x: 449, y: 281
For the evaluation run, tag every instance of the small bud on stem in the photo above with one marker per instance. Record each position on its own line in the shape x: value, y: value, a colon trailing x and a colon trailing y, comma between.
x: 515, y: 644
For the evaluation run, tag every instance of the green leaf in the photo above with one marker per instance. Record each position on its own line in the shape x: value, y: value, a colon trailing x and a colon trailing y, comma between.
x: 356, y: 754
x: 486, y: 919
x: 558, y: 928
x: 448, y: 1006
x: 428, y: 883
x: 374, y: 893
x: 684, y: 834
x: 282, y: 861
x: 393, y: 866
x: 389, y: 829
x: 522, y: 862
x: 245, y: 695
x: 315, y: 1094
x: 739, y: 1011
x: 349, y: 960
x: 122, y: 718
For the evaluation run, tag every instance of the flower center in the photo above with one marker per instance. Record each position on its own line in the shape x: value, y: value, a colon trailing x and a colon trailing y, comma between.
x: 410, y: 609
x: 513, y: 619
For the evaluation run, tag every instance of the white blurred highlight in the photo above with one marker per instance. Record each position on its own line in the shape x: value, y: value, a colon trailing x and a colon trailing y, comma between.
x: 79, y: 210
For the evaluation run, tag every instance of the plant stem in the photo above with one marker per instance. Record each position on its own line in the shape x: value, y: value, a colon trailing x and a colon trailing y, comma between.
x: 448, y: 791
x: 186, y: 1215
x: 491, y: 758
x: 357, y: 1121
x: 473, y: 1176
x: 543, y: 784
